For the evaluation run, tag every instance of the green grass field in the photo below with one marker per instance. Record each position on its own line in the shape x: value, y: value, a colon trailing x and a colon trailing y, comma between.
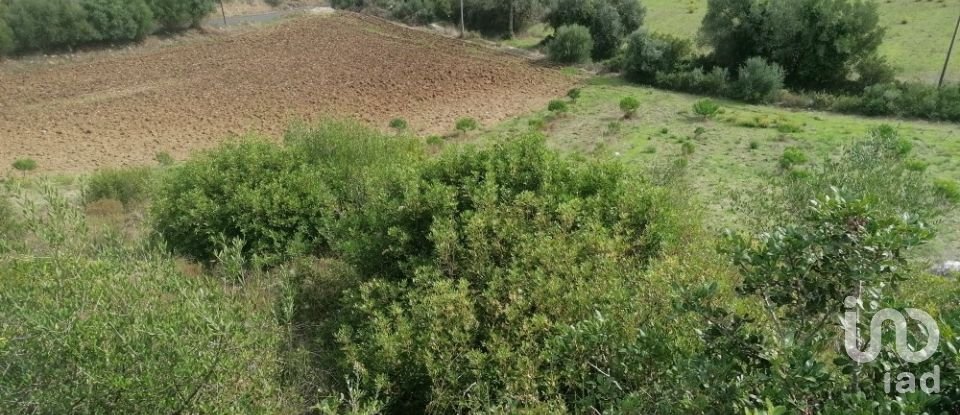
x: 734, y: 150
x: 918, y: 31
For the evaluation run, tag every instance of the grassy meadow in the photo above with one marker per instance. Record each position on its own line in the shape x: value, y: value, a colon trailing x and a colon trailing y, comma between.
x: 734, y: 150
x: 918, y: 31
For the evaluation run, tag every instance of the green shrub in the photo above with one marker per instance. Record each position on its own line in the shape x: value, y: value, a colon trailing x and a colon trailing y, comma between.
x: 792, y: 156
x: 557, y: 106
x: 127, y: 186
x: 94, y: 326
x: 687, y: 148
x: 706, y: 108
x: 629, y: 106
x: 817, y: 43
x: 25, y: 165
x: 7, y: 42
x: 118, y: 20
x: 398, y: 124
x: 164, y: 158
x: 48, y: 24
x: 874, y: 70
x: 714, y: 83
x: 464, y: 125
x: 754, y: 144
x: 647, y: 54
x: 608, y: 21
x: 279, y: 201
x: 175, y: 15
x: 477, y: 228
x: 758, y: 81
x: 948, y: 189
x: 571, y: 44
x: 573, y: 94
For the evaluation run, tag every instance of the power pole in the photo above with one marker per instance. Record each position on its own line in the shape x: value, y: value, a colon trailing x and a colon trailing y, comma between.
x: 223, y: 13
x: 949, y: 52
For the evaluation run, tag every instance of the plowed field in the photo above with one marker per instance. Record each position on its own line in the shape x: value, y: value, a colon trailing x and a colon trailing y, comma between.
x: 122, y: 110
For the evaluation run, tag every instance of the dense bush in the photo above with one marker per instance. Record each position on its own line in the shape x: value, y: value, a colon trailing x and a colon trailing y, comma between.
x: 93, y: 326
x: 124, y: 185
x: 758, y: 81
x: 629, y: 106
x: 7, y: 41
x: 278, y: 201
x: 714, y: 83
x: 180, y: 14
x: 497, y: 274
x: 904, y: 99
x: 816, y: 42
x: 570, y: 44
x: 119, y: 20
x: 48, y: 24
x: 608, y: 21
x: 647, y: 54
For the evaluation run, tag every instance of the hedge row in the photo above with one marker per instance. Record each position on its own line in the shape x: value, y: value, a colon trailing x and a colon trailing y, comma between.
x: 43, y: 25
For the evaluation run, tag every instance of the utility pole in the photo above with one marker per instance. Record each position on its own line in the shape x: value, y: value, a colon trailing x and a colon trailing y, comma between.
x: 949, y: 52
x: 463, y: 31
x: 223, y: 13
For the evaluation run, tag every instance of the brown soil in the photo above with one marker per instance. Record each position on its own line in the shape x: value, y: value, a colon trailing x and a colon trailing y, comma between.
x: 122, y: 110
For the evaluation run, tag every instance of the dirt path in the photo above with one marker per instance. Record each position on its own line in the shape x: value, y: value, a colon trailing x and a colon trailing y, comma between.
x: 123, y: 110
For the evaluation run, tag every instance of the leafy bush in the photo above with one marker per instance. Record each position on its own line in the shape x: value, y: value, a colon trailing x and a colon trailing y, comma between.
x: 948, y: 189
x: 164, y: 158
x: 398, y: 124
x: 570, y: 44
x: 816, y: 42
x: 714, y: 83
x: 573, y: 94
x: 25, y: 165
x: 706, y: 108
x: 118, y: 20
x: 874, y: 70
x: 608, y: 21
x: 646, y: 55
x: 93, y: 326
x: 180, y: 14
x: 477, y: 228
x: 124, y: 185
x: 279, y: 201
x: 629, y: 106
x: 7, y: 42
x: 466, y: 124
x: 557, y: 106
x: 48, y: 24
x: 792, y: 156
x: 758, y: 81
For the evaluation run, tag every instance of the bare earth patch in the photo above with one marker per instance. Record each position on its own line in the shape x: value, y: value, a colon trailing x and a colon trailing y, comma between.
x: 122, y: 110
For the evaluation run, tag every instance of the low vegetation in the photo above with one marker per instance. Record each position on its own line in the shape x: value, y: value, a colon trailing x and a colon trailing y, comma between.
x: 50, y: 25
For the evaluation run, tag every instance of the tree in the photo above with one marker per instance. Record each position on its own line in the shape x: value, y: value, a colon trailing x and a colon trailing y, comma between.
x: 609, y: 21
x: 818, y: 43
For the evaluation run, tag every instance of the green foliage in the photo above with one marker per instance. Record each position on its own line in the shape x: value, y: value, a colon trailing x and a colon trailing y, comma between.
x: 706, y: 108
x: 874, y: 70
x: 816, y: 42
x: 131, y: 185
x: 647, y: 54
x: 482, y: 245
x: 948, y: 189
x: 164, y: 158
x: 687, y: 148
x: 573, y: 94
x: 118, y: 20
x: 279, y: 200
x: 629, y: 106
x: 570, y: 44
x: 608, y: 21
x: 791, y: 157
x: 904, y: 99
x: 557, y: 106
x: 398, y: 124
x: 7, y: 41
x: 175, y: 15
x: 93, y: 326
x: 758, y: 81
x: 25, y: 165
x: 48, y: 24
x: 466, y: 124
x: 713, y: 83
